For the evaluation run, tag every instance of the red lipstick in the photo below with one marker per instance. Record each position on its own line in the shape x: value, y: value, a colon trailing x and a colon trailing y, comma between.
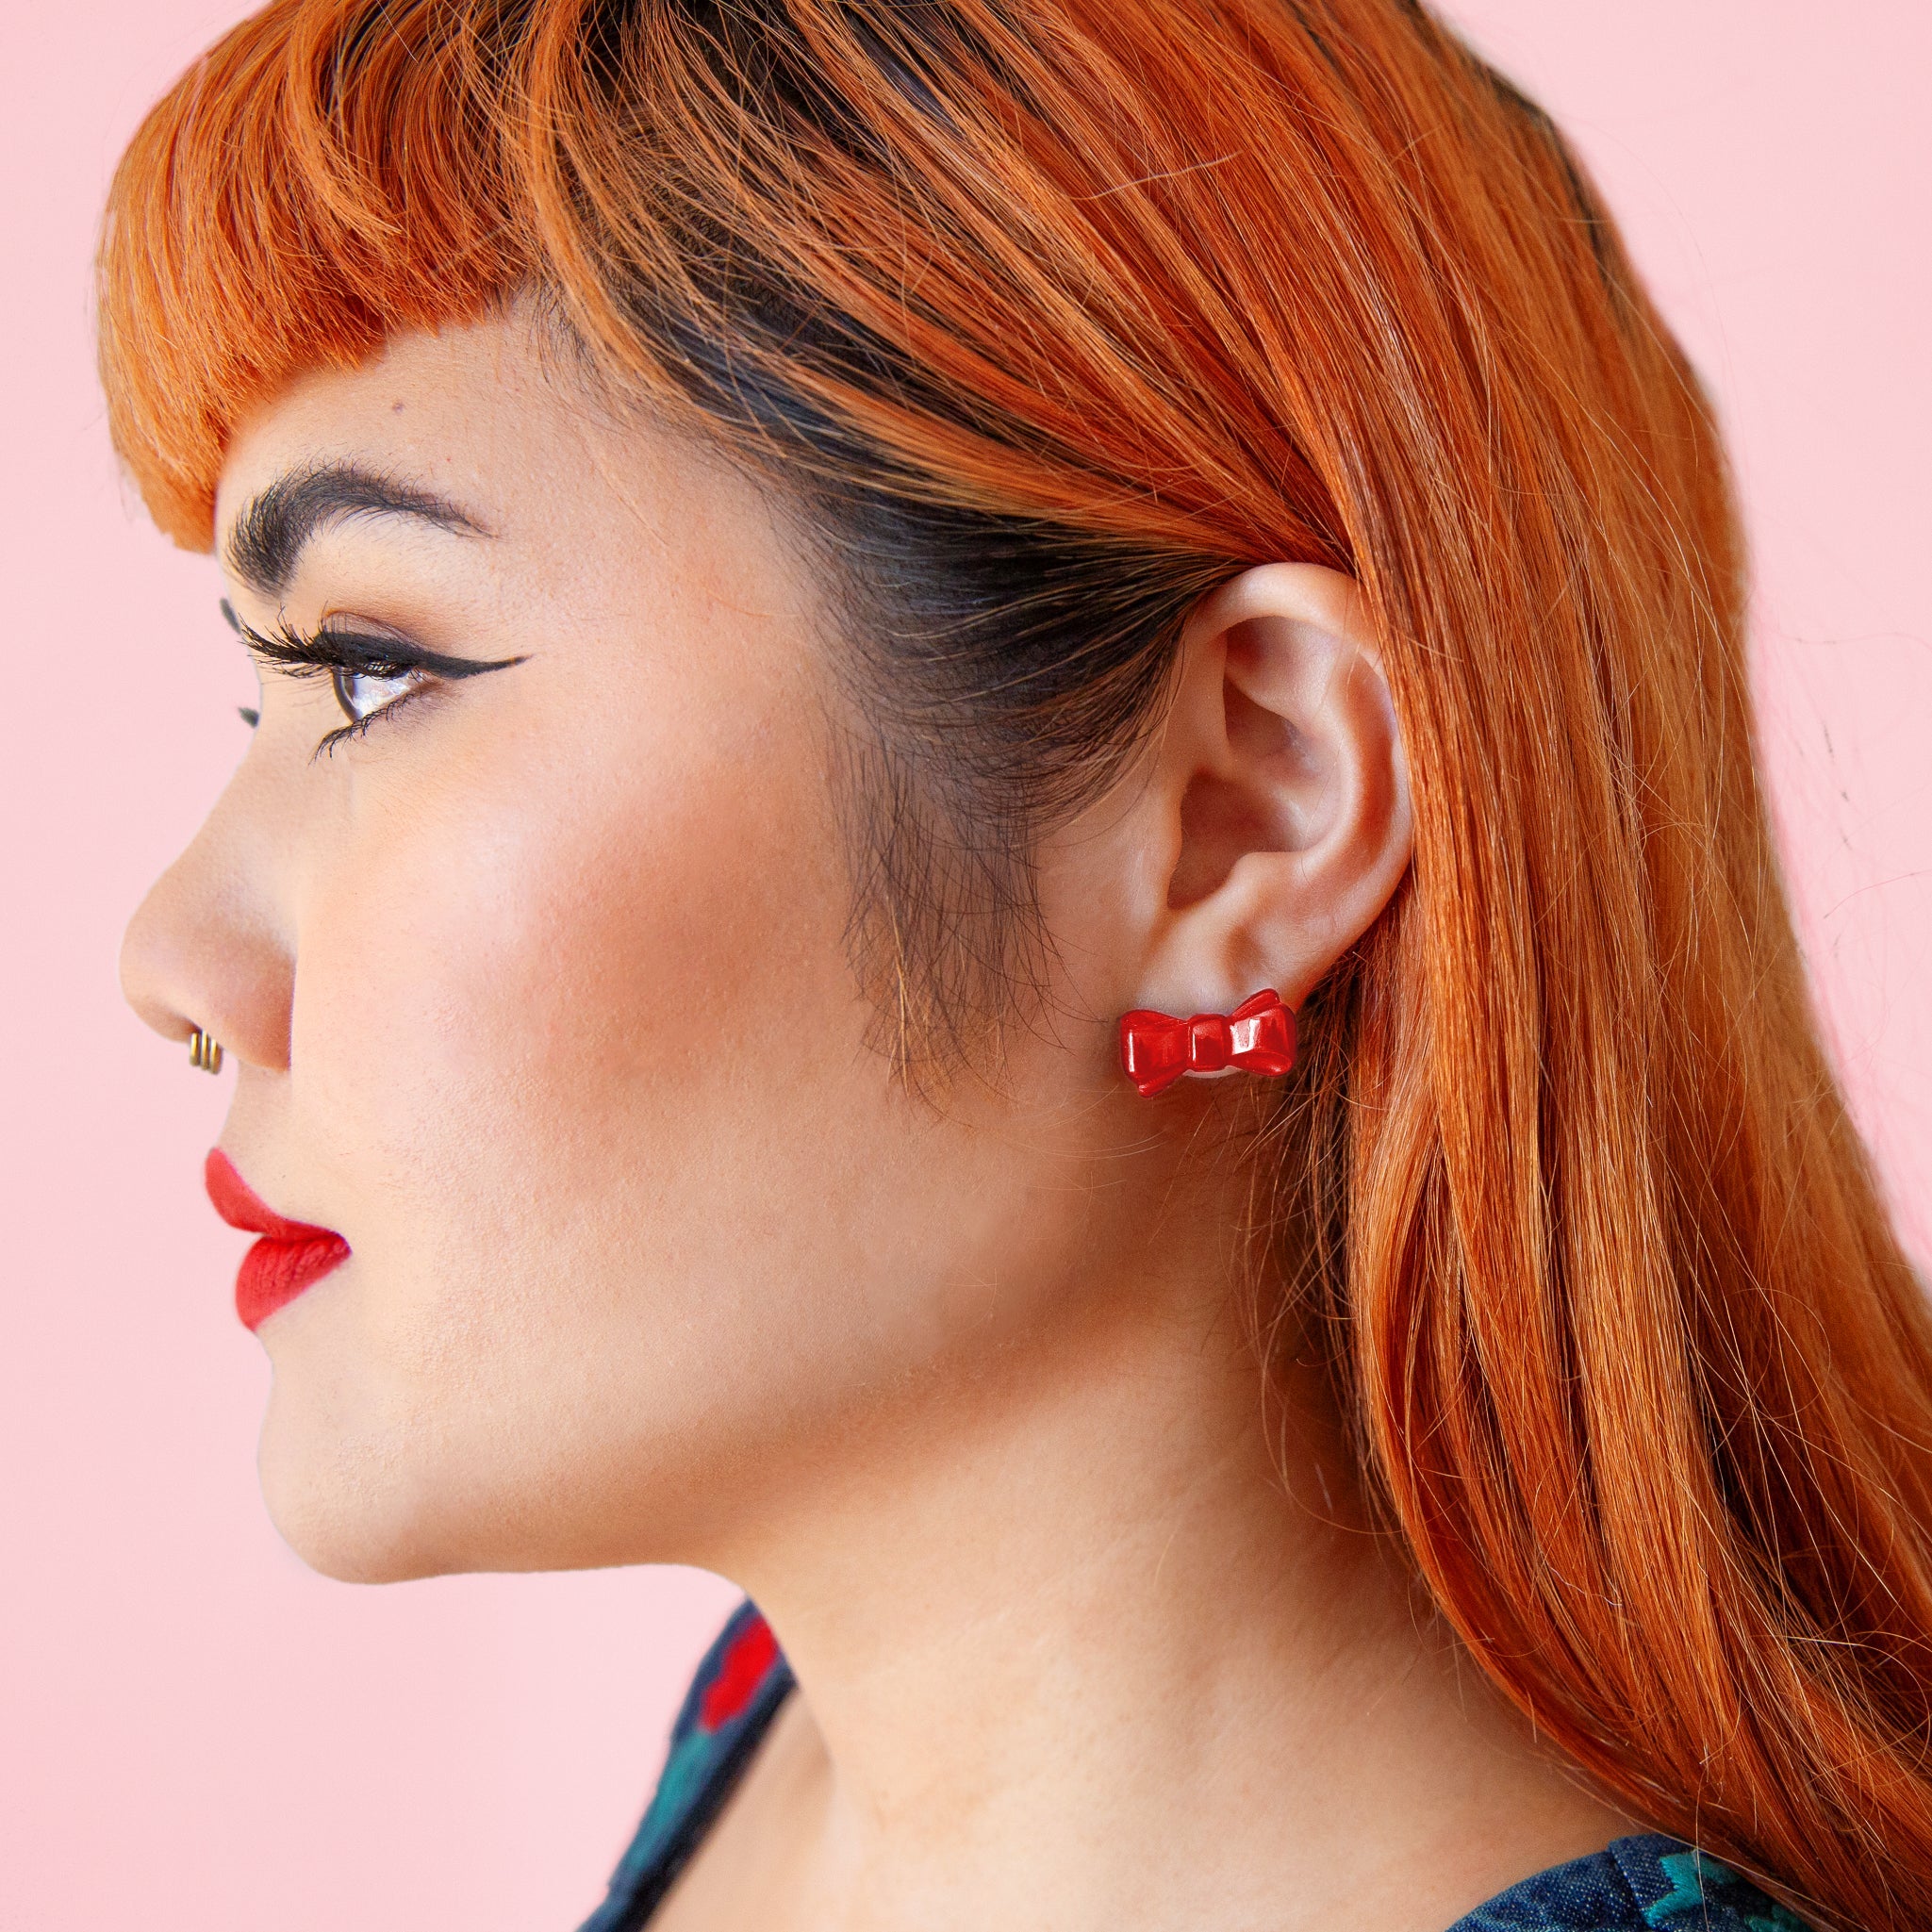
x: 289, y: 1256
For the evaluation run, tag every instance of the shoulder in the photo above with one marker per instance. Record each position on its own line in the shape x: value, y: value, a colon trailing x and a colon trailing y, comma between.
x: 736, y: 1694
x: 1649, y: 1884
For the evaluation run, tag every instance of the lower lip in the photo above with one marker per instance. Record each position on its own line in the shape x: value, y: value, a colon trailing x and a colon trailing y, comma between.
x: 273, y: 1273
x: 290, y: 1255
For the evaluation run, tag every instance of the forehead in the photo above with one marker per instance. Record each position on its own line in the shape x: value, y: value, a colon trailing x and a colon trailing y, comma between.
x: 470, y: 414
x: 490, y: 420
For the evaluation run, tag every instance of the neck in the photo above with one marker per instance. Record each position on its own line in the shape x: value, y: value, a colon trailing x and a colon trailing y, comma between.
x: 1080, y: 1645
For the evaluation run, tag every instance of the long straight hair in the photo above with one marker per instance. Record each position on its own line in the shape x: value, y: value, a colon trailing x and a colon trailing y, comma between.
x: 1049, y: 315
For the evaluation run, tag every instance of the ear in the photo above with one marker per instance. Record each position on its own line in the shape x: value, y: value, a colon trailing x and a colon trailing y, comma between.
x: 1275, y: 824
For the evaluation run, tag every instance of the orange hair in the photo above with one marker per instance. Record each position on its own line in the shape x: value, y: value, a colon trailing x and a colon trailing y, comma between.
x: 1164, y: 288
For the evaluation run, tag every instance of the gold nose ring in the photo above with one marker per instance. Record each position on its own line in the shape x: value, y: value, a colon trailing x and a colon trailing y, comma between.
x: 205, y: 1052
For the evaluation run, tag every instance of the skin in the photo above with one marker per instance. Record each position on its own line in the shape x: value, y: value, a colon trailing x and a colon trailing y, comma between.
x: 538, y: 995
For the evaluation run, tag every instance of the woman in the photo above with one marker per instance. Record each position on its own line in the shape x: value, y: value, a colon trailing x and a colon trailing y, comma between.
x: 825, y: 576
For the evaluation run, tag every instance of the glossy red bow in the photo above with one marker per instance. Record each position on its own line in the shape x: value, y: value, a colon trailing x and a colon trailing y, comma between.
x: 1258, y: 1036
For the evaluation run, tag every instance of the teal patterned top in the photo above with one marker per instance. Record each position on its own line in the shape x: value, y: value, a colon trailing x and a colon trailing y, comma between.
x: 1645, y: 1884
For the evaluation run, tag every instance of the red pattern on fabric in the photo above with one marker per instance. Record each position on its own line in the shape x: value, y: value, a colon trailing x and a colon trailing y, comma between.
x: 754, y: 1651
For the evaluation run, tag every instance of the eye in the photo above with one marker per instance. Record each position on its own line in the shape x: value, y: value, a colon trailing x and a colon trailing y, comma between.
x: 373, y: 675
x: 362, y: 693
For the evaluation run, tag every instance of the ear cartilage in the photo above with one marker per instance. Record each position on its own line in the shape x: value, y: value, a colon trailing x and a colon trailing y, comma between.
x: 1156, y: 1048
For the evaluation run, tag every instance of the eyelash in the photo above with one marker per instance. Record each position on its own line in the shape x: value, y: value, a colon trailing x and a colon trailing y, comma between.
x: 339, y: 654
x: 357, y: 726
x: 331, y: 655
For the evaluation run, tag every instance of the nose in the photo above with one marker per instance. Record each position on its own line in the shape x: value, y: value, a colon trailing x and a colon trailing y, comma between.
x: 206, y: 950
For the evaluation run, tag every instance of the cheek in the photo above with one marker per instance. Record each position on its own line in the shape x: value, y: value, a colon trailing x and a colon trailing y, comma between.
x: 527, y: 985
x: 577, y: 1051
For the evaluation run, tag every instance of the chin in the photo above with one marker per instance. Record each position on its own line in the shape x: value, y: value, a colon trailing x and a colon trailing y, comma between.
x: 349, y: 1509
x: 379, y: 1505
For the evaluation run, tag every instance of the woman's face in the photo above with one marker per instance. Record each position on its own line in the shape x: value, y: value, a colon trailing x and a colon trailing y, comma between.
x: 537, y: 991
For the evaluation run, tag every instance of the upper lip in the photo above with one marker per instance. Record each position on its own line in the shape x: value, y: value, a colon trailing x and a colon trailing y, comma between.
x: 240, y: 1205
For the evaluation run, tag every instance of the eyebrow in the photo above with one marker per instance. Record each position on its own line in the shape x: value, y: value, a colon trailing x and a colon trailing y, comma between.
x: 265, y: 542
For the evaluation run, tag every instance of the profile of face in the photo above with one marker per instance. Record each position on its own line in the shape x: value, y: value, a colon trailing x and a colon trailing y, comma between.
x: 529, y: 943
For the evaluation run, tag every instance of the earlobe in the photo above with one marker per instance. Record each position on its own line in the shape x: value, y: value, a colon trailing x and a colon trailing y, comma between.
x: 1281, y: 798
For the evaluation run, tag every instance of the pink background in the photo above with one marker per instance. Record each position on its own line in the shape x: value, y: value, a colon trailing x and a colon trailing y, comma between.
x: 195, y: 1733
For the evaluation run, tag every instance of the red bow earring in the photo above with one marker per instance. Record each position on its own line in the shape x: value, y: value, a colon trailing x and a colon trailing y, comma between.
x: 1258, y: 1036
